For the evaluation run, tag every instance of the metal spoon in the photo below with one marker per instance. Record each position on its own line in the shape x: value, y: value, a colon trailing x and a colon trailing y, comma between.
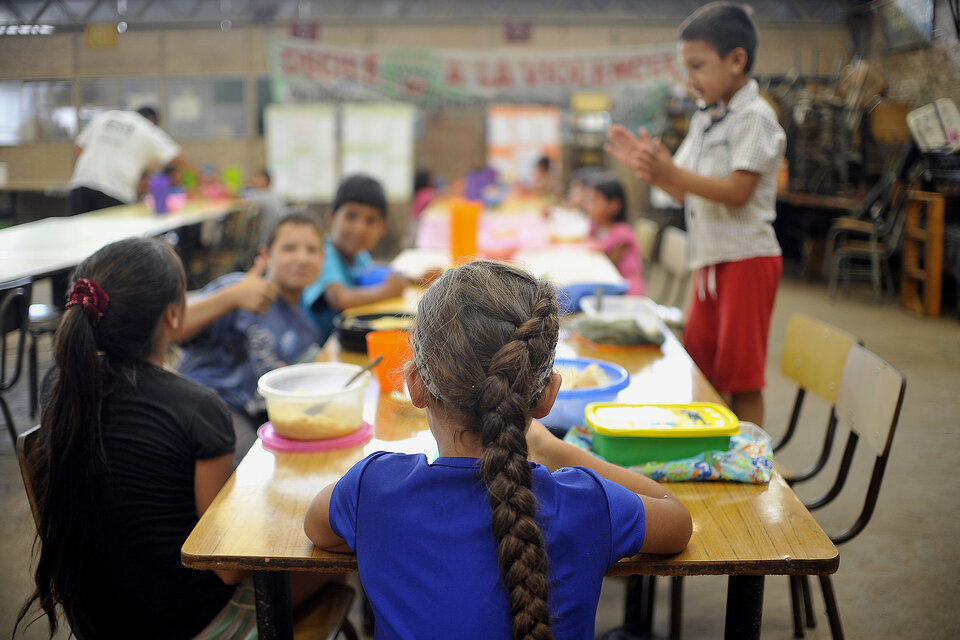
x: 319, y: 407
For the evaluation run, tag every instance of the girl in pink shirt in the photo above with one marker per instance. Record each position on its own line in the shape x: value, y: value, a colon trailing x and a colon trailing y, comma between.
x: 607, y: 209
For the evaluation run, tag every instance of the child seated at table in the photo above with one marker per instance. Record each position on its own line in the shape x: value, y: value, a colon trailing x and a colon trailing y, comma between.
x: 245, y: 324
x: 130, y: 454
x: 128, y: 457
x: 357, y: 221
x: 481, y: 542
x: 607, y: 210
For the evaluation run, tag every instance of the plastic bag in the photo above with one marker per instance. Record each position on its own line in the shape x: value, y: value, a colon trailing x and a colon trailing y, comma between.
x: 749, y: 459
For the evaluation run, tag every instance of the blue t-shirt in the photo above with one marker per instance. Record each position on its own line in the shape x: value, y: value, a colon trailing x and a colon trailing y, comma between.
x: 231, y: 354
x: 427, y: 555
x: 336, y: 270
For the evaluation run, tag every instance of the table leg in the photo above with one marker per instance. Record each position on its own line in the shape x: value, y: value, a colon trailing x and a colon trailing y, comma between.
x: 637, y: 610
x: 274, y: 606
x: 744, y: 607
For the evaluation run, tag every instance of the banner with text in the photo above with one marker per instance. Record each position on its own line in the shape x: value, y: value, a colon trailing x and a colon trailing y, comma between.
x: 638, y: 79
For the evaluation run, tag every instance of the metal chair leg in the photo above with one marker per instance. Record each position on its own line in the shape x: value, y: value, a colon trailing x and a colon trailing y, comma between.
x: 9, y: 420
x: 33, y: 376
x: 807, y: 602
x: 833, y: 612
x: 796, y: 604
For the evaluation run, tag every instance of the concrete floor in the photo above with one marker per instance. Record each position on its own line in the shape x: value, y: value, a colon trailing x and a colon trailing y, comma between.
x: 899, y: 579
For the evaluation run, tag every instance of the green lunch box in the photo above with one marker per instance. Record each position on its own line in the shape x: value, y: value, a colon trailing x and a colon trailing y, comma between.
x: 632, y: 434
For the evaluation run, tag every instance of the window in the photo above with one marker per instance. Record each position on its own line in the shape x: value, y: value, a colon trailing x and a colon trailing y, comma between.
x: 204, y: 108
x: 103, y: 94
x: 40, y: 110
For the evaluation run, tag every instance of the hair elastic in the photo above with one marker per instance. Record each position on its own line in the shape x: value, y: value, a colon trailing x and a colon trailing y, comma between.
x: 91, y: 296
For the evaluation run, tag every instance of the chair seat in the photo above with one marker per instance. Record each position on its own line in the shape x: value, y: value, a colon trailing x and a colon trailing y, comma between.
x: 846, y: 223
x: 857, y: 247
x: 43, y: 317
x: 324, y: 615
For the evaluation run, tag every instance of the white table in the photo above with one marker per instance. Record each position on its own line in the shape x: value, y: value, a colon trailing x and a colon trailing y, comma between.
x: 54, y: 245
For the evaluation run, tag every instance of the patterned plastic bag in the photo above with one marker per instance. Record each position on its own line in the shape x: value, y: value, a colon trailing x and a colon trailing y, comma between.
x: 748, y: 459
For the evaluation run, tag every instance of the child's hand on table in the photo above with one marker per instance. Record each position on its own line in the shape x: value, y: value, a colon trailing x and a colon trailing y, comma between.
x: 394, y: 285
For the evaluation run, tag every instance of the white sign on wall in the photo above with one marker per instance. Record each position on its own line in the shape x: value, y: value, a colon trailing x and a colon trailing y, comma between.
x: 302, y: 151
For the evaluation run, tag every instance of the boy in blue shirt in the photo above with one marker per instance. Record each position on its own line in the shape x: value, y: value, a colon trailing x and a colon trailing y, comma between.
x: 244, y: 325
x: 725, y: 173
x: 357, y: 221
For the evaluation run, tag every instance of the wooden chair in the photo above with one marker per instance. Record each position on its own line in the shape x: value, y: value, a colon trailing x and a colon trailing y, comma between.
x: 322, y: 617
x: 868, y: 405
x: 814, y: 353
x: 14, y: 321
x: 874, y: 230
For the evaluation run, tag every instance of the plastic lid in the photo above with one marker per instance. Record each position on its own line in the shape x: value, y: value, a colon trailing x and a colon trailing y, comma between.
x: 692, y: 420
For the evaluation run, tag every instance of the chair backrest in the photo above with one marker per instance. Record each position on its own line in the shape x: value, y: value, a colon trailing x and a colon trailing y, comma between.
x: 814, y: 353
x: 868, y: 404
x: 14, y: 315
x: 646, y: 231
x: 673, y: 259
x: 27, y: 449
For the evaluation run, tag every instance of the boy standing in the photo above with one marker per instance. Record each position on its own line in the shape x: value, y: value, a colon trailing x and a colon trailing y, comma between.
x: 247, y: 324
x: 725, y: 174
x: 357, y: 221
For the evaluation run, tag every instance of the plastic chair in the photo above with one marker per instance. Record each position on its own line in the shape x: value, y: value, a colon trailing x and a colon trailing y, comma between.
x: 14, y: 306
x: 42, y: 319
x: 645, y: 231
x: 814, y: 353
x: 322, y: 616
x: 868, y: 404
x: 672, y: 258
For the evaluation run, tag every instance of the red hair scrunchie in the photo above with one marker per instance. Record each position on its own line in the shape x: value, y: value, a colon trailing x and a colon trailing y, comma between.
x: 91, y: 296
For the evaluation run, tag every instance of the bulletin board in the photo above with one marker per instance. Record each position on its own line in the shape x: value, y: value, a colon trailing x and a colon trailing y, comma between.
x: 377, y: 139
x: 517, y: 135
x: 302, y: 151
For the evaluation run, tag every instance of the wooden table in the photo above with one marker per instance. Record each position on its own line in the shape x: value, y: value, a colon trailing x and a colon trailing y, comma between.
x: 740, y: 530
x: 55, y: 245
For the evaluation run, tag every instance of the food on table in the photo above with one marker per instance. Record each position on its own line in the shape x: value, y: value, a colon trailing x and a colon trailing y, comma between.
x: 591, y: 376
x: 617, y: 331
x: 290, y: 420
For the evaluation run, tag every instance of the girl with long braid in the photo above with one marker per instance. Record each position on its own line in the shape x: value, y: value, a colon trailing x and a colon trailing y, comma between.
x: 509, y: 532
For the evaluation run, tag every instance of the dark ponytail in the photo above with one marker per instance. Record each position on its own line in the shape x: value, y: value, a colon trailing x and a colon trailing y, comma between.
x: 612, y: 189
x: 484, y: 341
x: 142, y: 278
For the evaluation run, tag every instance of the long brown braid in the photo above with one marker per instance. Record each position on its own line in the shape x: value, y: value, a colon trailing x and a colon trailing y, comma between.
x: 484, y: 342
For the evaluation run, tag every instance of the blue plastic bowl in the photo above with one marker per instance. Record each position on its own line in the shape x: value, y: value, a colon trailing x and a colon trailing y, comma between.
x: 569, y: 296
x: 373, y: 275
x: 571, y: 404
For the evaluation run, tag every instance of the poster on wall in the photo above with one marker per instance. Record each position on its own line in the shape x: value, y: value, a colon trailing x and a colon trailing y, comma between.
x: 637, y: 78
x: 518, y: 135
x: 377, y: 139
x: 301, y: 151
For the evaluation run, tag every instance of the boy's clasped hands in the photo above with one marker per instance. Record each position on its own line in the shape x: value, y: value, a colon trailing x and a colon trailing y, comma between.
x: 647, y: 156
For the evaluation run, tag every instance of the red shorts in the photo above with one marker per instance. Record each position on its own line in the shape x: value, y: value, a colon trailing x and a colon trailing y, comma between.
x: 729, y: 322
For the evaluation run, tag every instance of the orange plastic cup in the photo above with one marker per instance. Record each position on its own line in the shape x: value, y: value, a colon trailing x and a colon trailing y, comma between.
x: 394, y: 346
x: 464, y: 218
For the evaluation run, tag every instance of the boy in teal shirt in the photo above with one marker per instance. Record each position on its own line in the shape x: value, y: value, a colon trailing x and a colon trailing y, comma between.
x: 357, y: 221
